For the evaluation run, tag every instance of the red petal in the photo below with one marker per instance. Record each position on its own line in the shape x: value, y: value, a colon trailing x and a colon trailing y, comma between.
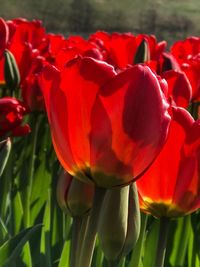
x: 178, y: 87
x: 139, y: 121
x: 4, y: 33
x: 69, y: 99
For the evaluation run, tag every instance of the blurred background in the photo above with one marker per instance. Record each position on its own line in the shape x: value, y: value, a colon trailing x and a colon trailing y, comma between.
x: 167, y: 19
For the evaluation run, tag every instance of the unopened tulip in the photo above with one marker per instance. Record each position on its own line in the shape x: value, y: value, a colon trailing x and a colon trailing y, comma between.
x: 119, y: 223
x: 73, y: 196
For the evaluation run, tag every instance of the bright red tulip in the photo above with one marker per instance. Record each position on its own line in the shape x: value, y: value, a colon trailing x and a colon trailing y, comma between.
x: 106, y: 127
x: 12, y: 112
x: 171, y: 186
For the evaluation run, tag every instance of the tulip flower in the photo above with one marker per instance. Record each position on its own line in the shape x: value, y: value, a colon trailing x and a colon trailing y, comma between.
x: 179, y: 87
x: 76, y: 45
x: 12, y: 112
x: 186, y: 53
x: 120, y: 49
x: 119, y: 223
x: 170, y: 187
x: 106, y: 127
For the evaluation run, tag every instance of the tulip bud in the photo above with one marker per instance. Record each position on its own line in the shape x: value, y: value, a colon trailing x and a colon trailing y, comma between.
x: 74, y: 196
x: 11, y: 71
x: 142, y: 54
x: 119, y: 223
x: 169, y: 63
x: 5, y: 147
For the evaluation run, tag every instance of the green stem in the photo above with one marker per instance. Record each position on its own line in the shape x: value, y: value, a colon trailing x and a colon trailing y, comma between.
x: 28, y: 191
x: 183, y: 243
x: 83, y: 228
x: 88, y: 244
x: 137, y: 251
x: 162, y: 241
x: 113, y: 263
x: 76, y: 225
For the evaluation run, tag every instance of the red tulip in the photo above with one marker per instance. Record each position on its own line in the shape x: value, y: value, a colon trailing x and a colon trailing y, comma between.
x: 187, y: 53
x: 12, y: 112
x: 4, y: 33
x: 25, y: 31
x: 76, y: 45
x: 120, y: 49
x: 105, y: 127
x: 179, y: 87
x: 185, y: 49
x: 171, y: 186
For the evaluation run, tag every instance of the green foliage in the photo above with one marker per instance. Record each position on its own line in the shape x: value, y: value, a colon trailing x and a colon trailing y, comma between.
x: 11, y: 249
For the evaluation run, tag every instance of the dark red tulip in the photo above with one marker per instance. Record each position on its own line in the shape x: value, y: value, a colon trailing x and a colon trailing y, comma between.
x: 12, y: 112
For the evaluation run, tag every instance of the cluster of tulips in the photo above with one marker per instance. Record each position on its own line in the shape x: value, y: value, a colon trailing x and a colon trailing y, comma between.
x: 123, y: 113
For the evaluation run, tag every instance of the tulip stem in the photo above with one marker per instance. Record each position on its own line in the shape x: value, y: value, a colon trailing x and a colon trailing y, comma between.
x: 83, y: 227
x: 162, y: 241
x: 76, y: 225
x: 33, y: 136
x: 114, y: 263
x: 89, y: 238
x: 137, y: 251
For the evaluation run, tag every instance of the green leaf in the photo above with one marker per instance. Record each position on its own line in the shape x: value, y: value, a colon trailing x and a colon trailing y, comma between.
x: 39, y: 196
x: 17, y: 212
x: 151, y: 244
x: 193, y: 248
x: 64, y: 259
x: 11, y: 249
x: 26, y: 256
x: 3, y: 232
x: 136, y: 256
x: 5, y: 147
x: 98, y: 255
x: 179, y: 242
x: 45, y: 245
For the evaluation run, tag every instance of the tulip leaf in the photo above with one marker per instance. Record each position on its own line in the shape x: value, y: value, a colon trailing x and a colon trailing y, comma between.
x: 5, y: 147
x: 193, y: 246
x: 137, y: 253
x: 64, y: 259
x: 17, y: 214
x: 151, y: 244
x: 45, y: 249
x: 178, y: 247
x: 3, y: 232
x: 11, y: 249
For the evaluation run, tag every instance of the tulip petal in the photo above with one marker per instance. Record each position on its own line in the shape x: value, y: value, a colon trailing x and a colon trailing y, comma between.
x: 178, y: 87
x: 172, y: 180
x: 69, y: 98
x: 139, y: 121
